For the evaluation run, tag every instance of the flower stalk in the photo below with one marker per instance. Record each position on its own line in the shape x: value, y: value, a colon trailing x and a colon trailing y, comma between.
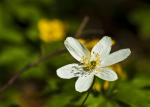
x: 88, y: 93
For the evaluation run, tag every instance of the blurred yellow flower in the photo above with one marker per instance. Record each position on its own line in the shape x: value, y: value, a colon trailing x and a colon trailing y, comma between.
x: 97, y: 86
x: 106, y: 85
x: 51, y: 30
x: 113, y: 42
x: 90, y: 43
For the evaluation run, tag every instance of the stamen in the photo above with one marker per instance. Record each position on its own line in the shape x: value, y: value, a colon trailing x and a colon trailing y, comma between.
x: 88, y: 65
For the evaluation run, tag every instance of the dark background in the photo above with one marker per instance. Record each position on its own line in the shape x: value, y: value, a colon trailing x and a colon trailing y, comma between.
x: 126, y: 21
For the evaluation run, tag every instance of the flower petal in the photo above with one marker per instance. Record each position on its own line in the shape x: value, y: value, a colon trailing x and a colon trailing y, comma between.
x: 103, y: 47
x: 115, y: 57
x: 107, y: 74
x: 84, y: 82
x: 68, y: 71
x: 76, y: 49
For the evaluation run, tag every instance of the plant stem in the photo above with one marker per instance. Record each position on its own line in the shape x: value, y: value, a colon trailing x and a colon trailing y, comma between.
x: 28, y: 66
x: 82, y: 26
x: 42, y: 58
x: 88, y: 93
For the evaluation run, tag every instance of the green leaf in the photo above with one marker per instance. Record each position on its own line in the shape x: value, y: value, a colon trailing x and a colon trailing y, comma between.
x: 141, y: 18
x: 132, y: 94
x: 60, y: 100
x: 35, y: 72
x: 15, y: 56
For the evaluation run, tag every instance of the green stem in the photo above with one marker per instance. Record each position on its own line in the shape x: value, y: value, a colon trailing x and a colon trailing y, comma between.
x: 88, y: 93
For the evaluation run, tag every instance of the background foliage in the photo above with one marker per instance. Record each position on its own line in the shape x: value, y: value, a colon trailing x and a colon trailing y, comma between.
x: 126, y: 21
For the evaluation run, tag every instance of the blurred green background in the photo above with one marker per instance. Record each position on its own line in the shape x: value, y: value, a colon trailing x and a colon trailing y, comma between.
x: 30, y: 29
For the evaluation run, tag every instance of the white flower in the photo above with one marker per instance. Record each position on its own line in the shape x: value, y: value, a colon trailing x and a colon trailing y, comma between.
x: 91, y: 64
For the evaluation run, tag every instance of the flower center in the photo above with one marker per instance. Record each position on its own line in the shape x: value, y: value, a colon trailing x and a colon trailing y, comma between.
x: 89, y: 66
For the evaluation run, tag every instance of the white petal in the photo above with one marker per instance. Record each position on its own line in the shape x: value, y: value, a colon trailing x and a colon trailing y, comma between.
x: 84, y: 83
x: 115, y: 57
x: 103, y: 47
x: 76, y: 49
x: 107, y: 74
x: 68, y: 71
